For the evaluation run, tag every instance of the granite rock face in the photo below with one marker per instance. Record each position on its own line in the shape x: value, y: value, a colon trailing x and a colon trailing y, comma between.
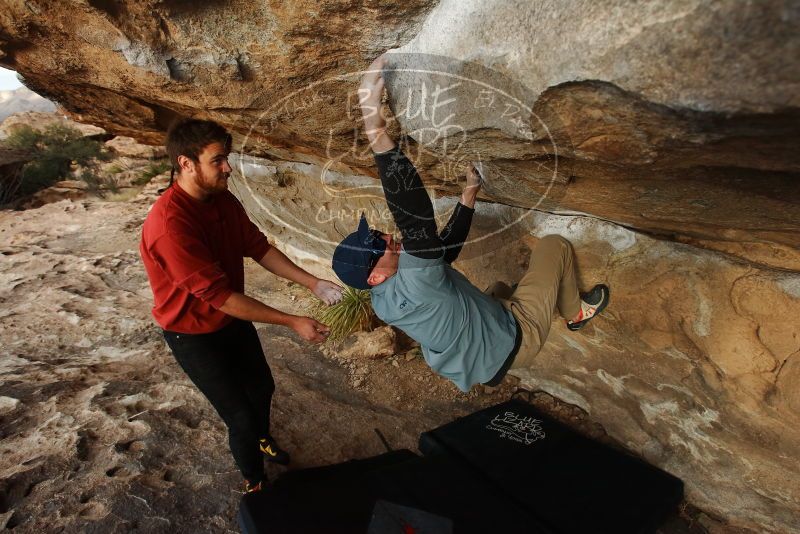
x: 660, y: 138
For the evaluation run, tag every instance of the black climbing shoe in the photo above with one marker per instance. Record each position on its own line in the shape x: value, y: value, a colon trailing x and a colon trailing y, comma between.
x: 592, y: 303
x: 273, y: 452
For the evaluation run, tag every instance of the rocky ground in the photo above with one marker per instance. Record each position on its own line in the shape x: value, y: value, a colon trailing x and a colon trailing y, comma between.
x: 101, y: 431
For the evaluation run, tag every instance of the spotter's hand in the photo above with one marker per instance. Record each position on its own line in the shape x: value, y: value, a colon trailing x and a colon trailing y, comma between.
x: 327, y: 292
x: 310, y: 329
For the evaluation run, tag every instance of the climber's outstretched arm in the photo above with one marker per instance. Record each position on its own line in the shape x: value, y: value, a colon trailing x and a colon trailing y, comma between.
x: 405, y: 194
x: 456, y: 230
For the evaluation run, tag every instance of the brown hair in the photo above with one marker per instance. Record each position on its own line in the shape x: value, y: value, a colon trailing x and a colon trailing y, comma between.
x: 188, y: 137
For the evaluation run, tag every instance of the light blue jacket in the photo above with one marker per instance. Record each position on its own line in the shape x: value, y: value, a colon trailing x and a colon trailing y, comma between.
x: 465, y: 334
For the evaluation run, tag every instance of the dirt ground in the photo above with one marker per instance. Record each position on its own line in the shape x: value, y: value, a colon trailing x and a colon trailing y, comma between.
x: 102, y: 432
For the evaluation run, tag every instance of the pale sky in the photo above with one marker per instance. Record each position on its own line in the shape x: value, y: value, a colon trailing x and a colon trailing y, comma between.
x: 8, y: 80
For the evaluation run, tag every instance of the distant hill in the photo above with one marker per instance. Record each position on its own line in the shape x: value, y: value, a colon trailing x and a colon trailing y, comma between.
x: 40, y: 120
x: 22, y: 99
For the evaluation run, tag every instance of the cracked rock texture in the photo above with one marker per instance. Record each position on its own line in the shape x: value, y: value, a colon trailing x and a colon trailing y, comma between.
x: 659, y: 137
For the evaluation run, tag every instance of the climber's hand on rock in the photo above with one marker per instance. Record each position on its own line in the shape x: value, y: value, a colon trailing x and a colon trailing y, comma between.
x: 370, y: 91
x: 470, y: 193
x: 473, y: 178
x: 370, y: 94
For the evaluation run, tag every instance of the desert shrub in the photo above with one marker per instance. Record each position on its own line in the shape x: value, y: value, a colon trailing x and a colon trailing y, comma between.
x: 352, y: 314
x: 92, y: 179
x: 152, y: 171
x: 55, y: 149
x: 98, y: 184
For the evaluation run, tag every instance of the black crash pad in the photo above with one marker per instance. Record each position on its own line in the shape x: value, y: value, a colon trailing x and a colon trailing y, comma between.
x: 352, y: 498
x: 571, y: 483
x: 508, y: 468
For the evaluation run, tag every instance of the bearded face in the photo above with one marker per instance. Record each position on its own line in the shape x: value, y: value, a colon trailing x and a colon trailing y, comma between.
x: 212, y: 170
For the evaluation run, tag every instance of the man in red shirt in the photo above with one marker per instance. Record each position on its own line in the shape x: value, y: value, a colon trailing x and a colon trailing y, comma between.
x: 193, y: 245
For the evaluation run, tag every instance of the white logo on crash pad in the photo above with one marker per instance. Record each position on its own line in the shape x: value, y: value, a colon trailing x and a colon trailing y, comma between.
x: 524, y: 430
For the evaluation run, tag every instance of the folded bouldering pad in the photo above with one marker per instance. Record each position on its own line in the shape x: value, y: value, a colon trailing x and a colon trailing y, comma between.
x: 508, y: 468
x: 399, y: 489
x: 571, y: 483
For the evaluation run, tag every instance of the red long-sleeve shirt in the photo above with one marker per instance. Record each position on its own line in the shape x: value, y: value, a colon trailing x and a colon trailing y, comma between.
x: 193, y: 253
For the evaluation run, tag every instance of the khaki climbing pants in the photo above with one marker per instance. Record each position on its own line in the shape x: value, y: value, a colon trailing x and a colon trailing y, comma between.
x: 548, y: 285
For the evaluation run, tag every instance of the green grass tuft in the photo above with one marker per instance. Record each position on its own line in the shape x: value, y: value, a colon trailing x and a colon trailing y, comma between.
x: 152, y: 171
x: 352, y: 314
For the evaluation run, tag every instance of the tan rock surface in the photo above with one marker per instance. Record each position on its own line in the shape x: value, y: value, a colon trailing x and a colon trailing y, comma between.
x: 549, y: 43
x: 128, y: 147
x: 684, y: 113
x: 379, y: 343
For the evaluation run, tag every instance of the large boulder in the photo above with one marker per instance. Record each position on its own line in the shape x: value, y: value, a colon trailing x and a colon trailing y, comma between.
x: 659, y: 137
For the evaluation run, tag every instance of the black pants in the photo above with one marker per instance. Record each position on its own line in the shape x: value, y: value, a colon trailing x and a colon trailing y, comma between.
x: 229, y: 368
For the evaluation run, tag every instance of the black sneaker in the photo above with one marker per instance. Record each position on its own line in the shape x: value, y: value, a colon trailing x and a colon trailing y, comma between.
x: 273, y: 452
x: 592, y: 303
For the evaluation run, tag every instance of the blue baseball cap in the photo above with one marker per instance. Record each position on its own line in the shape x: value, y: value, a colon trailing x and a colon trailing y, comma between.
x: 357, y: 254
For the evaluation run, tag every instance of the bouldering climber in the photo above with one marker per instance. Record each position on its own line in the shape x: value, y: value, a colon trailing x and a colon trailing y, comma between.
x: 467, y: 335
